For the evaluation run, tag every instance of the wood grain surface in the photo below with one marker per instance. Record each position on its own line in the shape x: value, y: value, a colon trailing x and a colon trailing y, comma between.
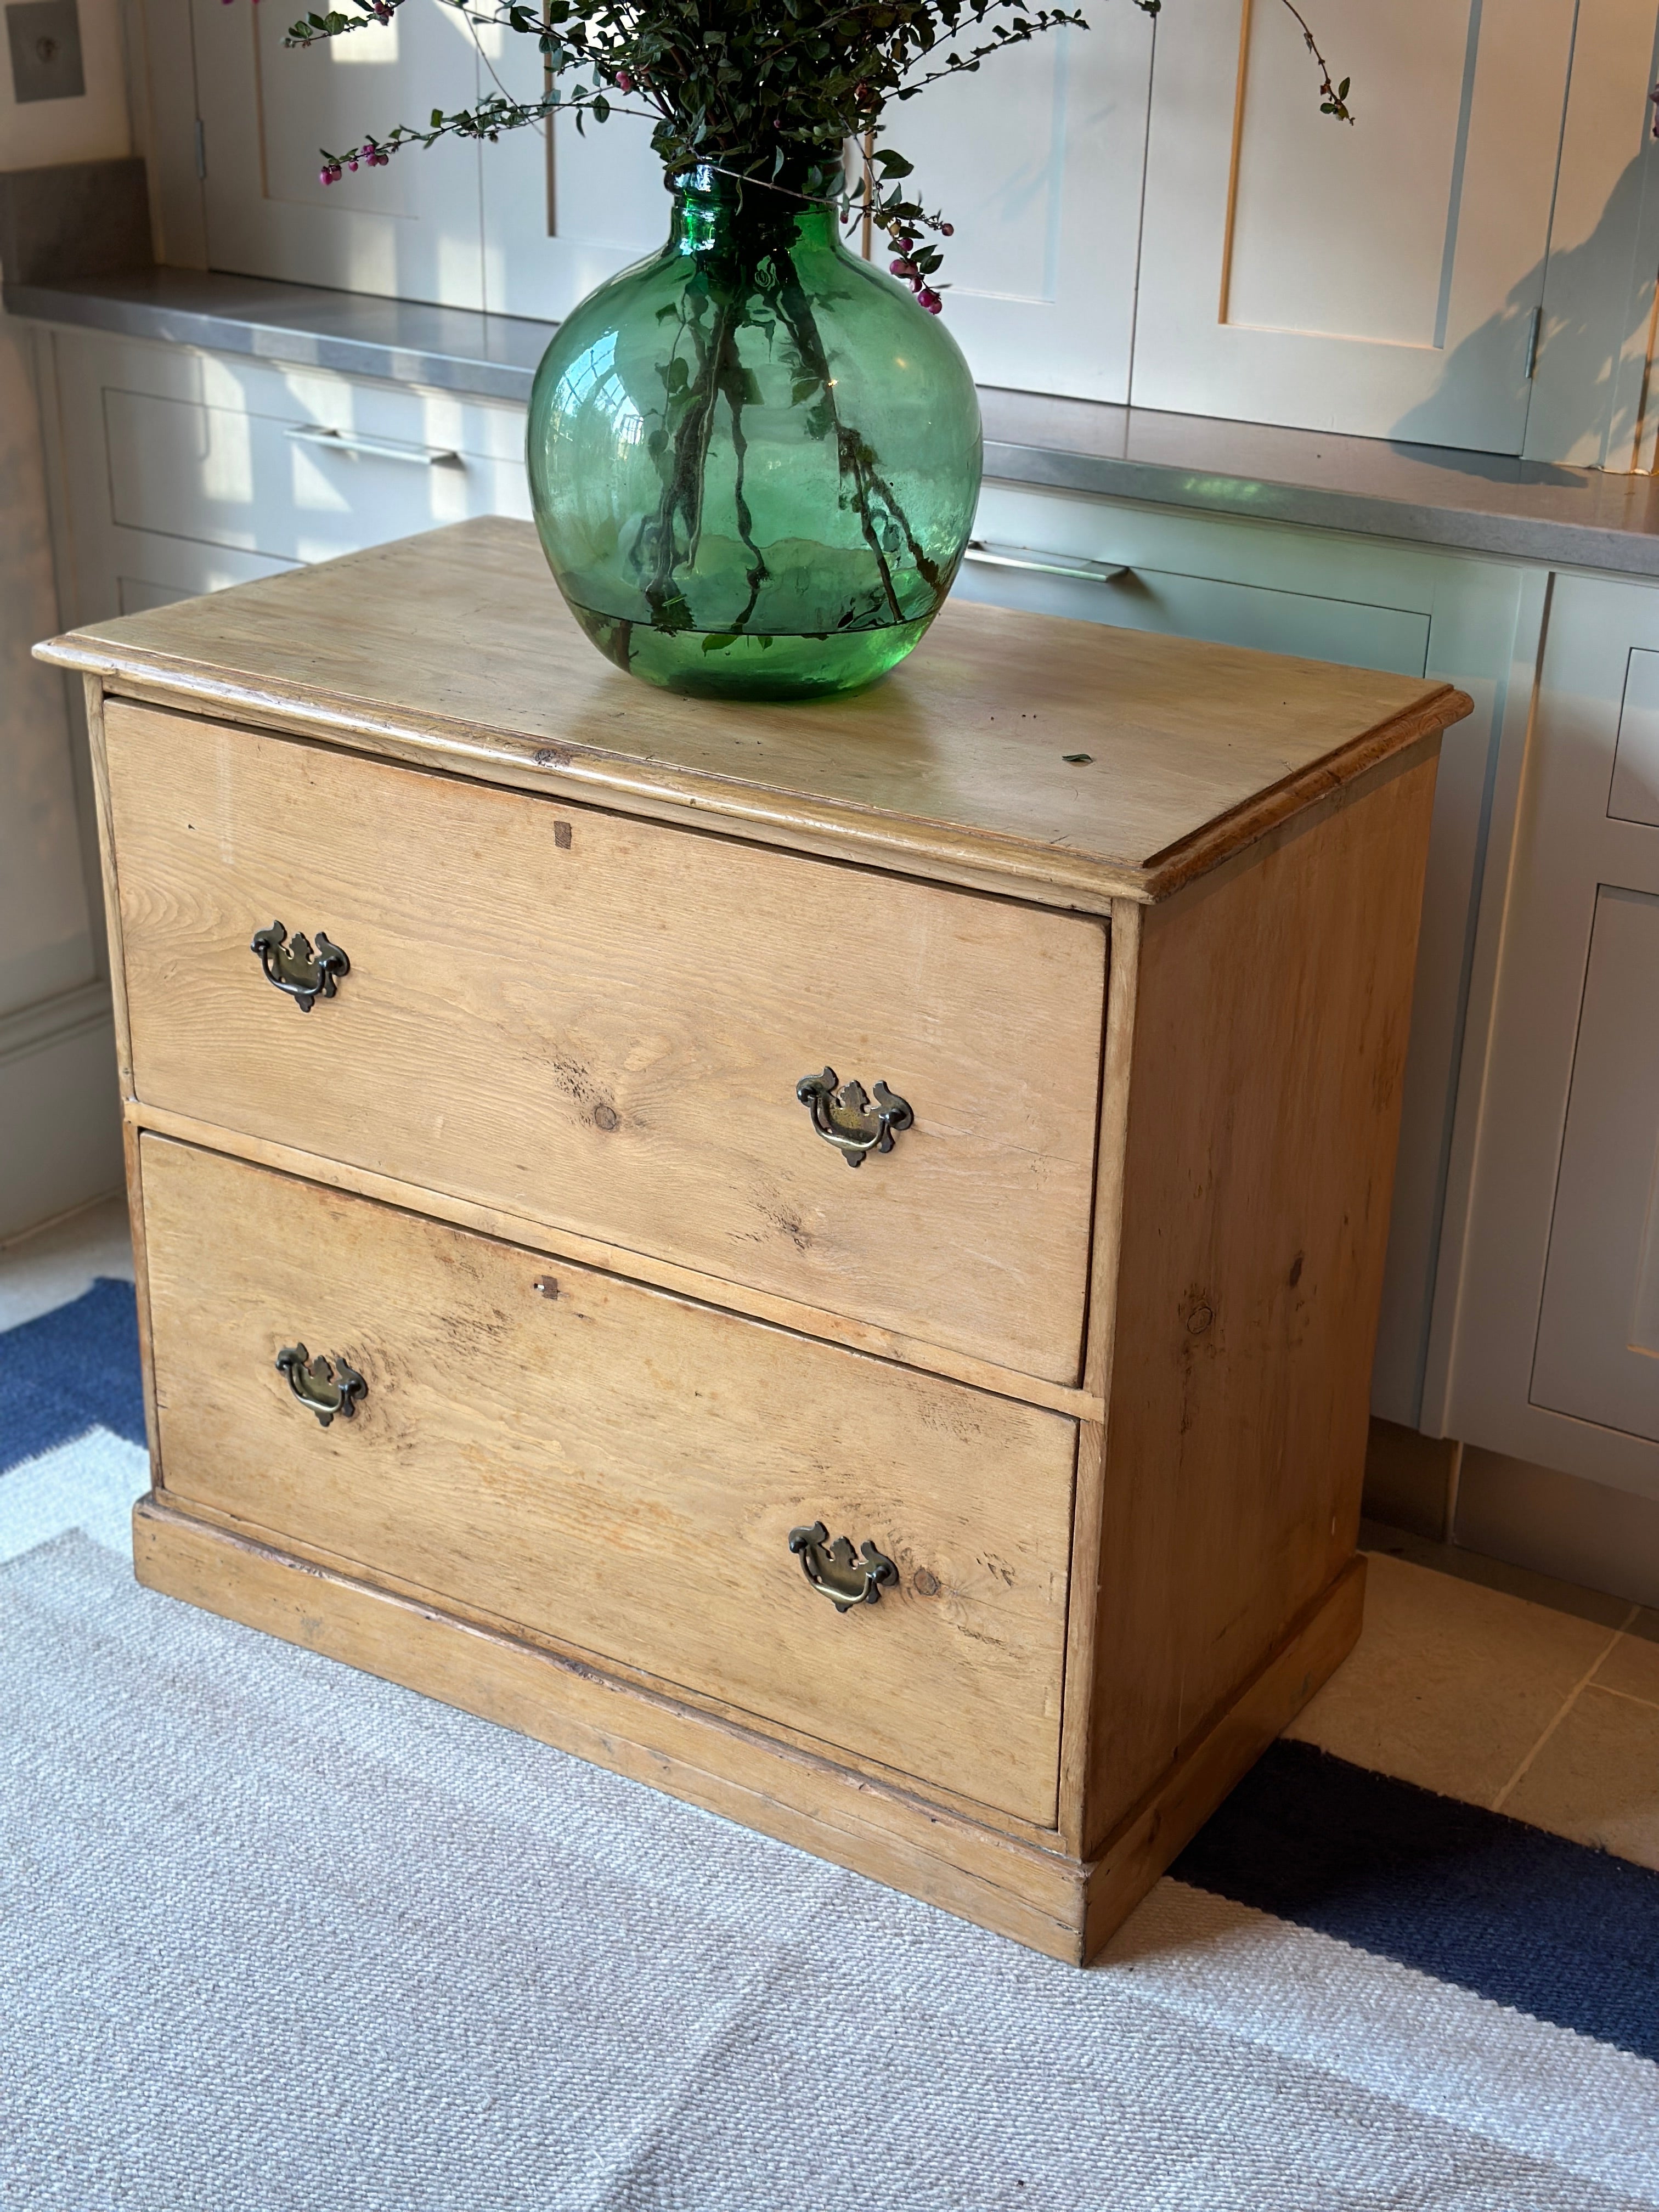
x: 1043, y: 1899
x: 598, y: 1023
x: 1100, y: 1327
x: 622, y: 1470
x: 1218, y: 1756
x: 1034, y: 1895
x: 638, y: 1267
x: 455, y: 646
x: 1272, y: 1006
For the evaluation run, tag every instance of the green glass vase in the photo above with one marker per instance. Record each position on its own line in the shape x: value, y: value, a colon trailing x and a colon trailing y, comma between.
x: 754, y: 459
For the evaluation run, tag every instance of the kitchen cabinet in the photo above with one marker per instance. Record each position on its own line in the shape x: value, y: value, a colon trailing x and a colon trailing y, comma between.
x: 1382, y: 279
x: 1546, y: 1343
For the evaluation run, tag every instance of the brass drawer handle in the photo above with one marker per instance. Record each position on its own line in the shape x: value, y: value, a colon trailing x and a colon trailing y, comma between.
x: 849, y: 1119
x: 294, y: 967
x: 322, y: 1386
x: 831, y: 1568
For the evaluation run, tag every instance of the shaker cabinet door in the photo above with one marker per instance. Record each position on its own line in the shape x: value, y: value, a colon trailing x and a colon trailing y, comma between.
x: 563, y: 210
x: 1037, y: 160
x: 1555, y: 1355
x: 411, y: 229
x: 1379, y: 280
x: 1598, y: 1333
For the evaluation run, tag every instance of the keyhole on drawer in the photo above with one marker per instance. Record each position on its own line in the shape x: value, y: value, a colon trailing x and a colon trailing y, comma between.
x: 548, y: 1285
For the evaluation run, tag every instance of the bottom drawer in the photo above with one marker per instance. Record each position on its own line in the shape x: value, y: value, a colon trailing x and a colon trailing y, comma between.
x: 621, y: 1469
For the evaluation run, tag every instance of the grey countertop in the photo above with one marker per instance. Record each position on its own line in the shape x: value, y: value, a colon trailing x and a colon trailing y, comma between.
x: 488, y: 356
x: 1434, y: 495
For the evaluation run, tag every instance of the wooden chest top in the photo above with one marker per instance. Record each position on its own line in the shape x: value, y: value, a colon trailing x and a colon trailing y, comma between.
x: 454, y: 649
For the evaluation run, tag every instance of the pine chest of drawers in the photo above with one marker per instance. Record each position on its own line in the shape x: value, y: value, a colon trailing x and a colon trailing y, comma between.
x: 825, y: 1258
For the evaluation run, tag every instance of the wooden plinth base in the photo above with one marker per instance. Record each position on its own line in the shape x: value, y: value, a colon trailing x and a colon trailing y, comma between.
x: 1053, y: 1903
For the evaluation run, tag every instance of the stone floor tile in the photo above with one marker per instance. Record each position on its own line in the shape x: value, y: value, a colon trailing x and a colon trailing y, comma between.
x: 1503, y: 1575
x: 1632, y: 1667
x: 1451, y: 1684
x: 1597, y: 1777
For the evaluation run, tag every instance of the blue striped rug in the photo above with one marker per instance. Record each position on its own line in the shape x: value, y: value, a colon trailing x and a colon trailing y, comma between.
x: 274, y: 1934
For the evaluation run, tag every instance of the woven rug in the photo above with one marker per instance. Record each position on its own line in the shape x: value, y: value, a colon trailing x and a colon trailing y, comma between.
x: 275, y: 1935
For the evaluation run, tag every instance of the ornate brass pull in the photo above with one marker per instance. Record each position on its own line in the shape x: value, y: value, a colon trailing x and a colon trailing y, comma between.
x: 849, y: 1119
x: 294, y: 967
x: 844, y: 1579
x: 322, y: 1386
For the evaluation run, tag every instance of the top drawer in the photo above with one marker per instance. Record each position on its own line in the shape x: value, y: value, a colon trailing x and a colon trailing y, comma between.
x: 298, y: 489
x: 599, y: 1024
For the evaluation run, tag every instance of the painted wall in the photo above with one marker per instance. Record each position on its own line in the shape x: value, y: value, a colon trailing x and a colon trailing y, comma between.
x: 94, y: 128
x: 59, y: 1127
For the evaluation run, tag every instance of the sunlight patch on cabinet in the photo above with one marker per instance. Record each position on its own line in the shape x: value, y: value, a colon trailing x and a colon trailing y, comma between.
x: 327, y: 97
x: 1308, y: 188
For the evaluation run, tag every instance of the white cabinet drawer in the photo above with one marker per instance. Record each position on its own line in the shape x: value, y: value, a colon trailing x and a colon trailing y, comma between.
x: 90, y: 364
x: 291, y: 489
x: 262, y: 463
x: 1195, y: 577
x: 148, y: 570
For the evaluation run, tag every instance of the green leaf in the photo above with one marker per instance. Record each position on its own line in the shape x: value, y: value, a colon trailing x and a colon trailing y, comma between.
x: 717, y: 642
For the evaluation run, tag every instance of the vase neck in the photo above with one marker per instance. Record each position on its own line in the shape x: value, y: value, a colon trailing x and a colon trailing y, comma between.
x: 714, y: 212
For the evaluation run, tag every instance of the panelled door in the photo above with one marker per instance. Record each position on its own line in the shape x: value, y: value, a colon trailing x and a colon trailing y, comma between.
x: 563, y: 210
x: 1036, y: 159
x: 1598, y: 1333
x: 1557, y: 1350
x: 411, y: 229
x: 1379, y: 280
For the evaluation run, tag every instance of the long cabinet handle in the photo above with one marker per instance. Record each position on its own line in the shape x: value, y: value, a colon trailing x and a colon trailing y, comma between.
x: 1045, y: 564
x: 380, y: 449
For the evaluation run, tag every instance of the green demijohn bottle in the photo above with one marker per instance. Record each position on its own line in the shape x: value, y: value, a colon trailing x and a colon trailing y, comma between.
x: 754, y: 459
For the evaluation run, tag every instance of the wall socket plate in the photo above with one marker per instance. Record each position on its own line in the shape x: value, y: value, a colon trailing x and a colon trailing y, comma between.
x: 45, y: 38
